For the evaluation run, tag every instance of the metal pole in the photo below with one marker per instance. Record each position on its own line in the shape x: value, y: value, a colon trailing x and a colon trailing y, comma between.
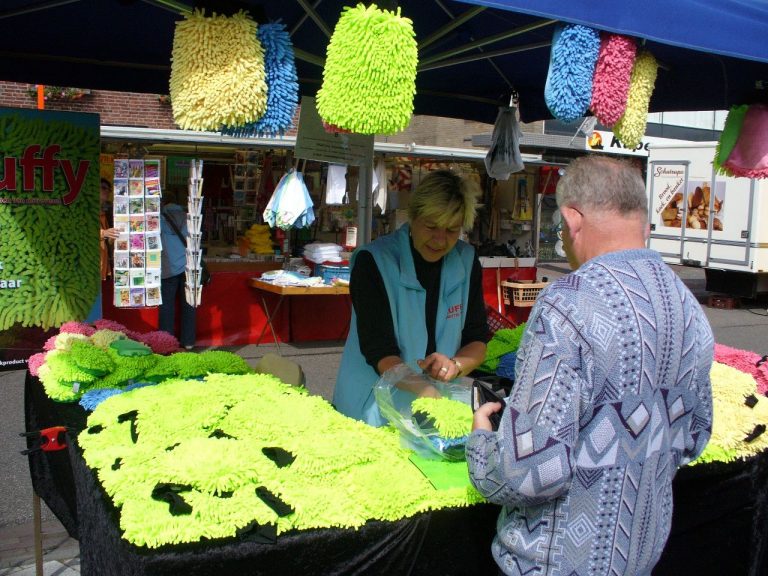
x: 365, y: 204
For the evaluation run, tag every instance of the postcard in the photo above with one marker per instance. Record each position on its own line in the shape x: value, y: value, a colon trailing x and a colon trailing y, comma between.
x: 152, y: 187
x: 136, y: 205
x: 152, y: 205
x: 137, y: 223
x: 121, y: 169
x: 120, y: 205
x: 122, y: 278
x: 153, y: 297
x: 151, y: 168
x: 136, y: 169
x: 153, y: 223
x: 137, y: 296
x: 122, y: 297
x: 153, y: 259
x: 137, y: 260
x: 122, y: 244
x: 137, y: 277
x: 137, y: 241
x: 122, y: 260
x: 121, y: 187
x: 136, y: 188
x: 152, y: 277
x: 122, y: 224
x: 152, y: 242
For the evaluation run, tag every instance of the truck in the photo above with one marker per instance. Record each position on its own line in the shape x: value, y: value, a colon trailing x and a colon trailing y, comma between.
x: 699, y: 217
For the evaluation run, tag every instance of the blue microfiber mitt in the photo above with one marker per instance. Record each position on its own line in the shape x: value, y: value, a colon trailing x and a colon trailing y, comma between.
x: 282, y: 85
x: 568, y: 91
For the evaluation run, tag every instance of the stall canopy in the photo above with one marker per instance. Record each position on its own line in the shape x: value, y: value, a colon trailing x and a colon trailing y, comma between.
x: 473, y: 54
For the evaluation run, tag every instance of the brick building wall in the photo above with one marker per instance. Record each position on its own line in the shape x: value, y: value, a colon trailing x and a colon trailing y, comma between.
x: 147, y: 111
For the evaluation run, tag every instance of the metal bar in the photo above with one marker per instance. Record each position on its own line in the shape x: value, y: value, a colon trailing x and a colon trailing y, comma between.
x: 486, y: 41
x: 171, y: 6
x: 315, y: 17
x: 38, y: 534
x: 270, y: 315
x: 452, y: 25
x: 303, y: 19
x: 483, y: 56
x: 75, y: 60
x: 35, y: 8
x: 308, y: 57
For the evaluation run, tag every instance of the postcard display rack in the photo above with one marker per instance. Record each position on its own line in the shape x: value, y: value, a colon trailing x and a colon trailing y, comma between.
x: 192, y: 288
x: 136, y: 212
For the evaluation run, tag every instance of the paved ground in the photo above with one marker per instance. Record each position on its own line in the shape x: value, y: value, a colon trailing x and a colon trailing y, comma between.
x: 745, y: 328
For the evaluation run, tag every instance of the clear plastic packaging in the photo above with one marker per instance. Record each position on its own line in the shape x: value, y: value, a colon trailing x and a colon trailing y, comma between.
x: 395, y: 392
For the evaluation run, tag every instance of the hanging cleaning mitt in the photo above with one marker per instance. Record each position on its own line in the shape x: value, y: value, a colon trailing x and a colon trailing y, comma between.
x: 282, y: 83
x: 610, y: 86
x: 749, y: 157
x: 630, y: 128
x: 217, y: 72
x: 728, y: 136
x: 369, y: 79
x: 568, y: 90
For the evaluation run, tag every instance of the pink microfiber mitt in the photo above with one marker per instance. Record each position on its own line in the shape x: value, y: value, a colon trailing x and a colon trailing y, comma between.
x: 746, y: 362
x: 749, y: 157
x: 610, y: 86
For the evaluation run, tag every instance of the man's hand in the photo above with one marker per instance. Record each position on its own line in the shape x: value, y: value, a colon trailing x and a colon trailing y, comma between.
x: 481, y: 419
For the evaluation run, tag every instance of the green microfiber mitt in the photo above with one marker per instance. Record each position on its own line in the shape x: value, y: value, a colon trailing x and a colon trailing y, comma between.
x: 503, y: 341
x: 451, y: 418
x: 127, y: 347
x: 369, y: 79
x: 91, y: 358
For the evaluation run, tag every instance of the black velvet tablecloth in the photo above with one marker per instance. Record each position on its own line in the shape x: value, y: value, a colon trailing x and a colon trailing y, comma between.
x: 719, y: 526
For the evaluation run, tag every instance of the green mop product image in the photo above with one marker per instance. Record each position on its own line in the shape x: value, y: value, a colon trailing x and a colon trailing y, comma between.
x: 49, y: 217
x: 207, y: 459
x: 369, y: 79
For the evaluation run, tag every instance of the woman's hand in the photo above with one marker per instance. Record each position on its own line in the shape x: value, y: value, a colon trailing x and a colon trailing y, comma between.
x: 440, y: 367
x: 110, y: 233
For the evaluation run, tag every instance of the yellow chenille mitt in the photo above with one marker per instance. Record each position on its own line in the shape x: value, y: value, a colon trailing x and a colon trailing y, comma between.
x: 630, y: 128
x: 369, y: 79
x: 217, y: 72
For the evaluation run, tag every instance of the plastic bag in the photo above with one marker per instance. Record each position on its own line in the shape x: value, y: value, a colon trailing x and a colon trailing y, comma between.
x: 395, y: 392
x: 503, y: 157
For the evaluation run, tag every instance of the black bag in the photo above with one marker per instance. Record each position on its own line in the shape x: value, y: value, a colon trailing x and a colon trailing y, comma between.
x: 205, y: 274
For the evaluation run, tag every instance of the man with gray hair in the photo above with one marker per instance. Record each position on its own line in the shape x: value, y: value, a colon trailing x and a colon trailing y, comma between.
x: 612, y: 394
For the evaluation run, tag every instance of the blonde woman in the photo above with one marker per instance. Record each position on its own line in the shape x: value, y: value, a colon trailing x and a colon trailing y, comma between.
x: 417, y: 298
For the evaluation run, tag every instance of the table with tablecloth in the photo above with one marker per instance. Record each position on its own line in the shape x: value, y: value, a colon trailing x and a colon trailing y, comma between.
x: 720, y: 525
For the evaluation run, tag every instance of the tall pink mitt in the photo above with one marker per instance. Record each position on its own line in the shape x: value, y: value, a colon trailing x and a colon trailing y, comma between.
x: 610, y: 84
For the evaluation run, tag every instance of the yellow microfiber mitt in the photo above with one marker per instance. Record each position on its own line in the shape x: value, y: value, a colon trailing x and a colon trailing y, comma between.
x: 369, y: 79
x: 630, y: 128
x: 735, y: 420
x: 217, y: 72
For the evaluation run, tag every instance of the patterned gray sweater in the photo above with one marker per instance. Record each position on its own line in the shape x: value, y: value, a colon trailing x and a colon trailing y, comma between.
x: 612, y: 394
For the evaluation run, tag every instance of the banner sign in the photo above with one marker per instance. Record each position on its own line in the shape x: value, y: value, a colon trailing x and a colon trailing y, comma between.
x: 49, y: 226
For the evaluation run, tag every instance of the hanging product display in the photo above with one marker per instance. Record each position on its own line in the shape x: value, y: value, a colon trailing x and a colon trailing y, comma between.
x: 217, y: 72
x: 503, y: 157
x: 195, y: 272
x: 136, y: 212
x: 290, y: 205
x: 613, y: 71
x: 630, y: 128
x: 369, y: 79
x: 729, y: 135
x: 568, y: 91
x: 749, y: 156
x: 282, y: 85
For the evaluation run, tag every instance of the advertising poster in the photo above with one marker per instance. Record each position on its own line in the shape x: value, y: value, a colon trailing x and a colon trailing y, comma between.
x: 49, y: 226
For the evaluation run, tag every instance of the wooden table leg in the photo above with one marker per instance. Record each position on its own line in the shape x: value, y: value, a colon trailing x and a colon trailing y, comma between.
x: 270, y: 315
